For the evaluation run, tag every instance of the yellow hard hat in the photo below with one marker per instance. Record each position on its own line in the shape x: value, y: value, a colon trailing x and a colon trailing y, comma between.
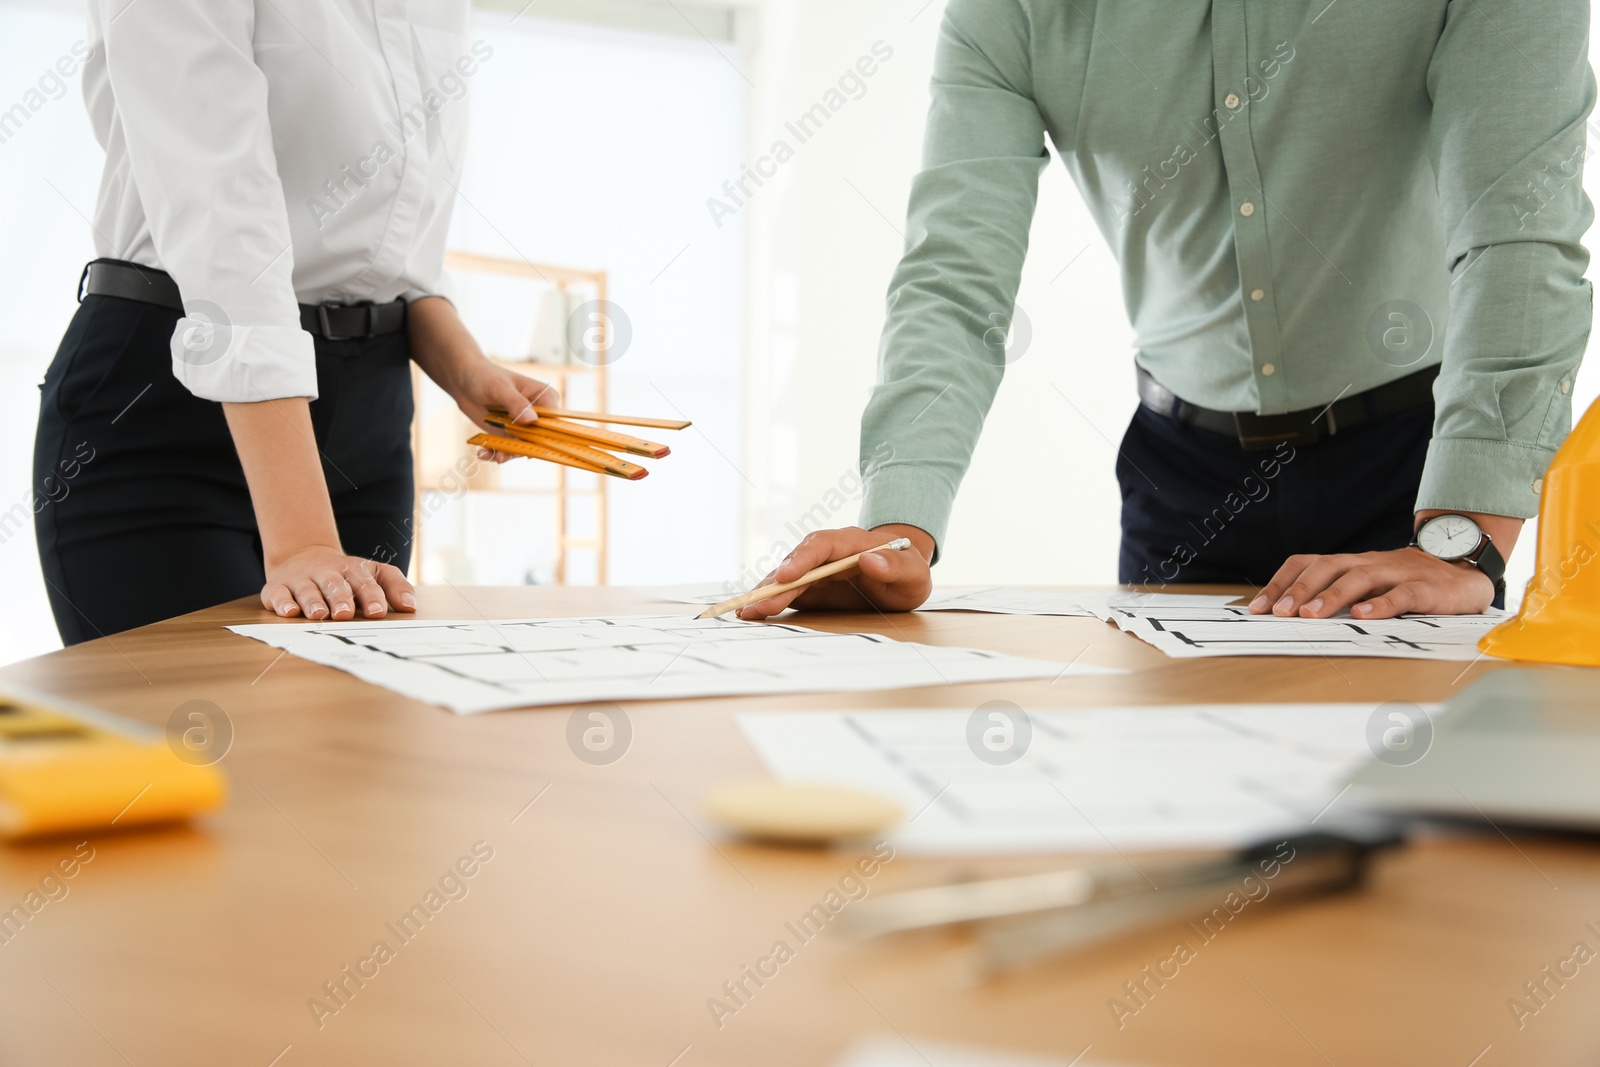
x: 1559, y: 621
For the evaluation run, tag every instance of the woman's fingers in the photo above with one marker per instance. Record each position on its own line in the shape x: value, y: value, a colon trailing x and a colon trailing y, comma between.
x: 336, y: 593
x: 503, y: 393
x: 402, y: 595
x: 276, y: 598
x: 518, y: 395
x: 490, y: 455
x: 323, y: 583
x: 364, y: 587
x: 537, y: 392
x: 309, y: 597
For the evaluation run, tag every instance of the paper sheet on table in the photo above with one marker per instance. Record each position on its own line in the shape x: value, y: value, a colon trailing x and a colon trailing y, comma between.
x: 1007, y: 600
x: 481, y: 665
x: 1195, y: 776
x: 1192, y: 631
x: 990, y: 599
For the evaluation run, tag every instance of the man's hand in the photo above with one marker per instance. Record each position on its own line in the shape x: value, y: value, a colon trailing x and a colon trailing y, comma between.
x: 1374, y: 585
x: 1381, y: 585
x: 889, y: 581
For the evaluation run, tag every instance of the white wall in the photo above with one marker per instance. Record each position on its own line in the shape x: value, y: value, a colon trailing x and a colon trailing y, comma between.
x: 44, y: 243
x: 836, y: 221
x: 593, y: 147
x: 821, y: 257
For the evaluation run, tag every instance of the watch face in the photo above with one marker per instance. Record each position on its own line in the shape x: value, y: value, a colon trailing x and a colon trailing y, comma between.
x: 1449, y: 536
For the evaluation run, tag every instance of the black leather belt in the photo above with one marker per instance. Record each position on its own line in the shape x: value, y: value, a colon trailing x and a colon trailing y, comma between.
x: 1305, y: 427
x: 332, y: 322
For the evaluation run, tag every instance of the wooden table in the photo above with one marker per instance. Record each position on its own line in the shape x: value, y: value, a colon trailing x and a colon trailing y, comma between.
x: 609, y: 913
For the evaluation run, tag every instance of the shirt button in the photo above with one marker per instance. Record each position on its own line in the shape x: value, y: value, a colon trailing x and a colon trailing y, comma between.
x: 1257, y: 294
x: 1268, y: 369
x: 1566, y: 386
x: 1247, y: 209
x: 1538, y: 486
x: 1231, y: 101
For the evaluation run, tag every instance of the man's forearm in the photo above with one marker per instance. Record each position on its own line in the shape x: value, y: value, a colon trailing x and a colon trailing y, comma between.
x: 278, y: 451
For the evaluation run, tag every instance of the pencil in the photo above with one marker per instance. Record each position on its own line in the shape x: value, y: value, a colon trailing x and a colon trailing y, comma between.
x: 603, y: 416
x: 838, y: 566
x: 588, y: 434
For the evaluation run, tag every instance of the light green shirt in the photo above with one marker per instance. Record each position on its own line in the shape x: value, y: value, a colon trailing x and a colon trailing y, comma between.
x: 1306, y: 201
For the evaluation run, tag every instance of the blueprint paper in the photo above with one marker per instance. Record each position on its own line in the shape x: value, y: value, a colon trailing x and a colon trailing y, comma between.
x: 992, y: 599
x: 1193, y: 631
x: 1003, y: 600
x: 895, y: 1050
x: 998, y: 600
x: 989, y: 599
x: 1197, y: 776
x: 481, y: 665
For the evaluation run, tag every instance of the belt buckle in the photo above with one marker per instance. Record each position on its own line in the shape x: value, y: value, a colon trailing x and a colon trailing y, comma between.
x: 1258, y: 433
x: 327, y: 324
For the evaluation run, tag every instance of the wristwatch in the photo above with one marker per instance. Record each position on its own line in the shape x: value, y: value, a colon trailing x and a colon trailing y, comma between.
x: 1456, y: 537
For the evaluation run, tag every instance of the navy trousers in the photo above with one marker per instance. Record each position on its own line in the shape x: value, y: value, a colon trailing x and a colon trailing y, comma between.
x: 141, y: 507
x: 1198, y: 508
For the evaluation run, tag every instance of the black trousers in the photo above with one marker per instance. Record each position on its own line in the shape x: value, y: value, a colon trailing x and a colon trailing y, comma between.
x: 1198, y: 508
x: 142, y: 511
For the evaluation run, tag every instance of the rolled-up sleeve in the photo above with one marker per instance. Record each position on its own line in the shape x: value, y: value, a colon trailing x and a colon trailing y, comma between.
x: 952, y: 296
x: 1511, y: 90
x: 193, y: 110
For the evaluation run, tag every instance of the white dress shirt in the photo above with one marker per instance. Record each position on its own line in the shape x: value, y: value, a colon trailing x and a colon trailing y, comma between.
x: 273, y: 152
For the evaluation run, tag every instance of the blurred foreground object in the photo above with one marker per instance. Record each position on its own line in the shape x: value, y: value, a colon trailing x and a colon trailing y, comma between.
x: 800, y: 812
x: 65, y: 768
x: 1029, y: 919
x: 1516, y: 747
x: 1560, y: 617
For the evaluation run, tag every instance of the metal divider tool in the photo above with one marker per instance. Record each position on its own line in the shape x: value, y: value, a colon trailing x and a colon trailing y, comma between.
x: 1026, y: 919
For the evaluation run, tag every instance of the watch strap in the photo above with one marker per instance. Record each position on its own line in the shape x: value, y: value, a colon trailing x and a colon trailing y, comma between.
x: 1489, y: 560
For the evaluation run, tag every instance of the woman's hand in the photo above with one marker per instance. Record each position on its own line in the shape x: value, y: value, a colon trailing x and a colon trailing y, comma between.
x: 320, y: 582
x: 481, y: 385
x: 306, y: 575
x: 446, y: 351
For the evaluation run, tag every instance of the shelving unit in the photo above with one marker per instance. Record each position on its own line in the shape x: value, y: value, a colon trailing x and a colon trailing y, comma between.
x: 566, y: 489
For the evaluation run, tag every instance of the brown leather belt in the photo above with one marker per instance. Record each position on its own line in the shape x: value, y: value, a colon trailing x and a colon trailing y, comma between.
x: 1257, y: 433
